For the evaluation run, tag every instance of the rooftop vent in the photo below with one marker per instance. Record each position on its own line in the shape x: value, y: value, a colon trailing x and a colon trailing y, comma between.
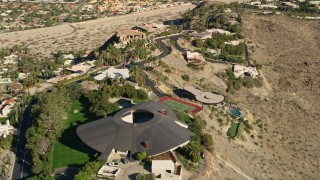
x: 164, y: 112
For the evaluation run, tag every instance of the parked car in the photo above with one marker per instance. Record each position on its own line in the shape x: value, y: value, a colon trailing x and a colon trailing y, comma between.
x: 113, y: 164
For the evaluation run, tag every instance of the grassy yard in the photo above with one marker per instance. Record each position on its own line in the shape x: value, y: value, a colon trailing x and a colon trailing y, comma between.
x: 138, y: 101
x: 233, y: 130
x: 69, y: 150
x: 183, y: 116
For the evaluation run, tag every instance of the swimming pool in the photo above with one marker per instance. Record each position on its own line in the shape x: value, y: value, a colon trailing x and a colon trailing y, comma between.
x: 235, y: 112
x: 125, y: 103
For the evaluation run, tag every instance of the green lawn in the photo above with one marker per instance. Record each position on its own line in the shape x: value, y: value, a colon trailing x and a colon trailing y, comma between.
x: 183, y: 116
x: 138, y: 101
x: 233, y: 130
x: 69, y: 150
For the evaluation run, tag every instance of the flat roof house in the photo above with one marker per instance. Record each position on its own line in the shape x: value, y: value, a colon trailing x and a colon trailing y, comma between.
x: 127, y: 35
x: 203, y: 35
x: 194, y: 57
x: 113, y: 73
x: 241, y: 71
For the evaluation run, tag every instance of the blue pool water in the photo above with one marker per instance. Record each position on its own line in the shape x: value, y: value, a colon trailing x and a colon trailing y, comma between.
x: 125, y: 103
x: 235, y: 112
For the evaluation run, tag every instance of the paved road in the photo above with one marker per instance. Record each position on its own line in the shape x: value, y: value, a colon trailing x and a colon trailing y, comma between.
x: 22, y: 166
x: 165, y: 49
x: 174, y: 39
x: 153, y: 85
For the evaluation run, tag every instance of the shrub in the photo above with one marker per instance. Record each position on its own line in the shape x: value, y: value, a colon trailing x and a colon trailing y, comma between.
x: 185, y: 77
x: 207, y: 141
x: 258, y: 66
x: 141, y: 155
x: 141, y: 94
x: 89, y: 169
x: 6, y: 142
x: 248, y: 82
x: 198, y: 43
x: 147, y: 161
x: 258, y: 82
x: 145, y: 177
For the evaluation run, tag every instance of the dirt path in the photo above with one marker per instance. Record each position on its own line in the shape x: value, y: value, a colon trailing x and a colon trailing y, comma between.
x: 68, y: 34
x: 235, y: 168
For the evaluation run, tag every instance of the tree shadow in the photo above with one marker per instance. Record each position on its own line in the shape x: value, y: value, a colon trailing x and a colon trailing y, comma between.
x: 69, y: 173
x: 179, y: 21
x: 133, y: 176
x: 179, y: 92
x: 71, y: 139
x: 104, y: 46
x: 147, y: 167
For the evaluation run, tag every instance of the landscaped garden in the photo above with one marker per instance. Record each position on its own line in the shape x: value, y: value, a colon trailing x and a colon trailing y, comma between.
x: 69, y: 150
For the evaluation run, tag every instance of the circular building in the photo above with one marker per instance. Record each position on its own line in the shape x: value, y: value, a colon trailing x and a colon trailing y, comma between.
x: 151, y: 126
x: 203, y: 97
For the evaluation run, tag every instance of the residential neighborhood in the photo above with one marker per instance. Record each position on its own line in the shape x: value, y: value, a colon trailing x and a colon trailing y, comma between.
x: 22, y: 15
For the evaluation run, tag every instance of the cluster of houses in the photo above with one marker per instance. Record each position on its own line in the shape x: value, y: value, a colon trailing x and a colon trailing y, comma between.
x: 124, y: 7
x: 8, y: 101
x: 276, y: 4
x: 17, y: 15
x: 9, y: 89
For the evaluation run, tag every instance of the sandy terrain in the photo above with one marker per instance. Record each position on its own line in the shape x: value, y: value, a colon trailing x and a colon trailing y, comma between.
x: 206, y: 79
x: 83, y: 35
x: 288, y: 147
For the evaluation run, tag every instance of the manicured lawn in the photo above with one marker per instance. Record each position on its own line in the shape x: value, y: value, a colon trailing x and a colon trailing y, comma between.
x: 138, y: 101
x: 183, y: 116
x: 69, y: 150
x: 233, y: 130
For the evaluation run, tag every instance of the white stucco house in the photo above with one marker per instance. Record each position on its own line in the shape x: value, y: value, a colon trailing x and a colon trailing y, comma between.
x: 6, y: 129
x: 113, y: 73
x: 241, y: 71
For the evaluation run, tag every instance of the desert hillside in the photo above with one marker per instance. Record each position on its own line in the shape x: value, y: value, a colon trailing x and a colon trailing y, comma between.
x: 289, y: 50
x: 287, y: 146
